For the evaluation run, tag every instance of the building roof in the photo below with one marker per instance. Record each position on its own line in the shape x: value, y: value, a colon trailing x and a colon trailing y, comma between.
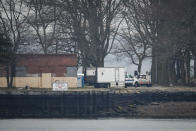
x: 42, y: 60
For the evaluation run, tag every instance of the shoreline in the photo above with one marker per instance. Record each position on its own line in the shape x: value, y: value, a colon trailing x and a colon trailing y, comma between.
x: 136, y: 103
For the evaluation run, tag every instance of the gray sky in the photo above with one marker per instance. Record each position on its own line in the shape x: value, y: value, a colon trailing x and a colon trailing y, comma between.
x: 112, y: 61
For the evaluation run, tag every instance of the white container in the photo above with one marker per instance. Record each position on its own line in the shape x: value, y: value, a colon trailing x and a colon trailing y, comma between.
x: 107, y: 76
x: 91, y: 71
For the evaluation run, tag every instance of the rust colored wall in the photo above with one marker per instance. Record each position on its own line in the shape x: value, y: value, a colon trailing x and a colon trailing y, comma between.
x: 2, y: 70
x: 47, y: 60
x: 37, y: 64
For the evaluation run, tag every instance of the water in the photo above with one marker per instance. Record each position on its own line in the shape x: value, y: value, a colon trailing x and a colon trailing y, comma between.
x: 98, y: 125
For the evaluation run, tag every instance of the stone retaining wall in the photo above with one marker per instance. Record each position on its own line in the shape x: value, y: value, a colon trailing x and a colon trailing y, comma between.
x: 88, y: 104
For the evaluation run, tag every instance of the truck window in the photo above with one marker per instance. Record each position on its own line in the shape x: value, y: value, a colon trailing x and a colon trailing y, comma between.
x: 130, y: 76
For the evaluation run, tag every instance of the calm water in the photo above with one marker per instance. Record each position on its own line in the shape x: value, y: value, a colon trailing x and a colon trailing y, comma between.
x: 97, y: 125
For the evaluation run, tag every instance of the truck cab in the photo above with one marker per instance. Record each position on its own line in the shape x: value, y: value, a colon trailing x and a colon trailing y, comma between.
x: 144, y: 80
x: 137, y: 80
x: 131, y: 81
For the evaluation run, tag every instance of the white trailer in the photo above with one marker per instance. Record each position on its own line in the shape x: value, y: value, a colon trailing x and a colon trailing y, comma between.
x: 106, y: 76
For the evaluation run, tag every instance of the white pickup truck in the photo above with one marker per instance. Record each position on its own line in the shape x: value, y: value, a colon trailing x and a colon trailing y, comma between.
x: 137, y: 81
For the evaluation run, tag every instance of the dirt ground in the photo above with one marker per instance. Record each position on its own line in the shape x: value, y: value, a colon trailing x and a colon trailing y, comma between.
x: 113, y: 89
x: 138, y: 89
x: 167, y: 110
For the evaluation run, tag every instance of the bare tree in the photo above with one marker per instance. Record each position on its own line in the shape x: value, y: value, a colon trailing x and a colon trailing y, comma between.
x: 137, y: 34
x: 92, y: 28
x: 43, y: 21
x: 12, y: 18
x: 64, y: 32
x: 174, y: 47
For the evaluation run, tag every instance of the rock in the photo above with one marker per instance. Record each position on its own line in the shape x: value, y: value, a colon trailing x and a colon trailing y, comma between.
x: 155, y: 103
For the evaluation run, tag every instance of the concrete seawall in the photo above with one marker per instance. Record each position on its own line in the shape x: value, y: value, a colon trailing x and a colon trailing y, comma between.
x: 94, y: 104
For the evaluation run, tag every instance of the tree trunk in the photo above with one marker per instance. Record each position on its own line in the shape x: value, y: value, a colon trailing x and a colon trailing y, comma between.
x: 182, y: 69
x: 8, y: 75
x: 165, y: 74
x: 139, y: 67
x: 171, y: 72
x: 178, y: 74
x: 162, y: 72
x: 45, y: 51
x: 13, y: 72
x: 56, y: 49
x: 195, y: 67
x: 187, y: 68
x: 100, y: 62
x: 154, y: 66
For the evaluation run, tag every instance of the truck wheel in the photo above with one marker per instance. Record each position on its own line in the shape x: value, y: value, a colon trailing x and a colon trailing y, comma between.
x: 137, y: 84
x: 105, y: 86
x: 149, y: 85
x: 96, y: 85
